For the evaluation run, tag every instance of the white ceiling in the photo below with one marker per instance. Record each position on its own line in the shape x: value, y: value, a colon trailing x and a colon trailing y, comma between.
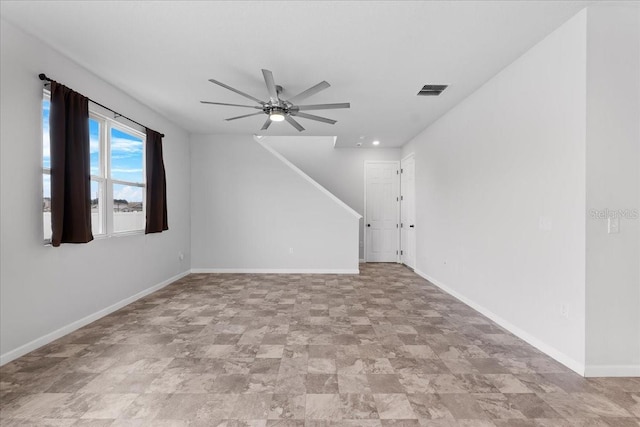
x: 375, y: 54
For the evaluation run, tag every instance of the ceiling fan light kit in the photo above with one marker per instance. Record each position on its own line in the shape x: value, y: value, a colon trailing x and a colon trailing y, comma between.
x: 276, y: 115
x: 278, y: 109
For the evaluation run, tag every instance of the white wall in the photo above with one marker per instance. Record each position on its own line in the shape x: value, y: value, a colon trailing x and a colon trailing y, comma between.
x: 121, y: 221
x: 339, y: 170
x: 252, y: 212
x: 45, y: 291
x: 613, y: 182
x: 500, y: 196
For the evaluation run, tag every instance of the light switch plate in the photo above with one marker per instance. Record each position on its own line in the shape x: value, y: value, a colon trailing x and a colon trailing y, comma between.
x: 545, y: 223
x: 564, y: 311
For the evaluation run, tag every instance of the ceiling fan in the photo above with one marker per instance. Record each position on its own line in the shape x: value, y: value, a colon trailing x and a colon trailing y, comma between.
x: 279, y: 109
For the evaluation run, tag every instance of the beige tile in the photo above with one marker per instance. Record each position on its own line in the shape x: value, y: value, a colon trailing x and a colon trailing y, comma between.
x: 270, y: 351
x: 394, y: 406
x: 323, y: 407
x: 507, y: 383
x: 350, y: 366
x: 419, y: 351
x: 429, y: 406
x: 288, y: 407
x: 358, y: 406
x: 378, y: 366
x: 216, y: 407
x: 321, y: 366
x: 145, y: 407
x: 40, y: 405
x: 385, y: 383
x: 252, y: 407
x: 353, y: 384
x: 321, y: 383
x: 531, y: 405
x: 497, y: 405
x: 464, y: 406
x: 110, y: 406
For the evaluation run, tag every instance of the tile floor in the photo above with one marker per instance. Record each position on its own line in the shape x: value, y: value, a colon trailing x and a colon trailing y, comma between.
x: 384, y: 348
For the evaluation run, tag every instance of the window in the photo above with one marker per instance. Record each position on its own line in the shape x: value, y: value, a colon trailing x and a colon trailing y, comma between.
x: 117, y: 175
x: 46, y: 169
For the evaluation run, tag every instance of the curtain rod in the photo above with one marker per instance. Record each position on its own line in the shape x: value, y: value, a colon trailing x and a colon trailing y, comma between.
x: 44, y: 77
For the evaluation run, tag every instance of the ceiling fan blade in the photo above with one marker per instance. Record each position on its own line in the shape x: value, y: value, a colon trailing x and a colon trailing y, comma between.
x: 311, y: 91
x: 231, y: 105
x: 317, y: 118
x: 266, y: 124
x: 239, y: 92
x: 293, y: 123
x: 242, y: 117
x: 323, y: 106
x: 271, y: 85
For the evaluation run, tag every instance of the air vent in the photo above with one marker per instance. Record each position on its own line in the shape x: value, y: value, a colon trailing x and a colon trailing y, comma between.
x: 432, y: 90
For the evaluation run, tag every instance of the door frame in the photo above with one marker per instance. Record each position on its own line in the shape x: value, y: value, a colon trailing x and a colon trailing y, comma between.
x: 404, y: 159
x: 397, y: 209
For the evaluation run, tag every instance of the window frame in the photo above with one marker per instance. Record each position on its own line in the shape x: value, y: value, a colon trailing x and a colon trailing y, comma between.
x: 103, y: 178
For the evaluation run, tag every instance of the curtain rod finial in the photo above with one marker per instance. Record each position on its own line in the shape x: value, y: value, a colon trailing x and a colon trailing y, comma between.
x: 42, y: 76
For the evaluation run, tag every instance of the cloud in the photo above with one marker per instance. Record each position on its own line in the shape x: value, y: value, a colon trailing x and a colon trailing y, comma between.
x: 94, y: 145
x: 124, y: 145
x: 128, y: 193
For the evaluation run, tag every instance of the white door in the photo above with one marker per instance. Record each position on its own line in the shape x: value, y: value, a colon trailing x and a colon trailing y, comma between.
x: 381, y: 211
x: 408, y: 211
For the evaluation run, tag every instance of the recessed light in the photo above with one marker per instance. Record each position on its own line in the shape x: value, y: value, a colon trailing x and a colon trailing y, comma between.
x: 376, y: 142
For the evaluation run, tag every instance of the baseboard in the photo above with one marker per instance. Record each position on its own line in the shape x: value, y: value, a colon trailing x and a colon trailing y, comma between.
x: 52, y: 336
x: 612, y: 371
x: 362, y: 261
x: 275, y: 271
x: 540, y: 345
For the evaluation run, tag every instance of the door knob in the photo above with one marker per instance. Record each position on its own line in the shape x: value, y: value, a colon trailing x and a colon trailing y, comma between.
x: 368, y: 225
x: 411, y: 226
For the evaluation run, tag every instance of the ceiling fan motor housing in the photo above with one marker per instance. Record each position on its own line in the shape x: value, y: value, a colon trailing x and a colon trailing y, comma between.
x: 279, y: 109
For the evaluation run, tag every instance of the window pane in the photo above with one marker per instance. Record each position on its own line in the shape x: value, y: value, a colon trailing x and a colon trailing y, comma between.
x: 128, y: 212
x: 46, y: 205
x: 46, y: 147
x: 94, y: 146
x: 126, y: 156
x: 97, y: 202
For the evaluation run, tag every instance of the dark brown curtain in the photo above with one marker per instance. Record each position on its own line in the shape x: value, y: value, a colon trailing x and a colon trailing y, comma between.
x: 70, y: 167
x: 156, y: 185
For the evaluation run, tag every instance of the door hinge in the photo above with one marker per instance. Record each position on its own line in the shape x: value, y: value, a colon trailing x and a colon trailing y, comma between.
x: 396, y: 225
x: 401, y: 170
x: 401, y: 197
x: 396, y: 252
x: 397, y: 199
x: 401, y: 225
x: 397, y: 172
x: 401, y: 253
